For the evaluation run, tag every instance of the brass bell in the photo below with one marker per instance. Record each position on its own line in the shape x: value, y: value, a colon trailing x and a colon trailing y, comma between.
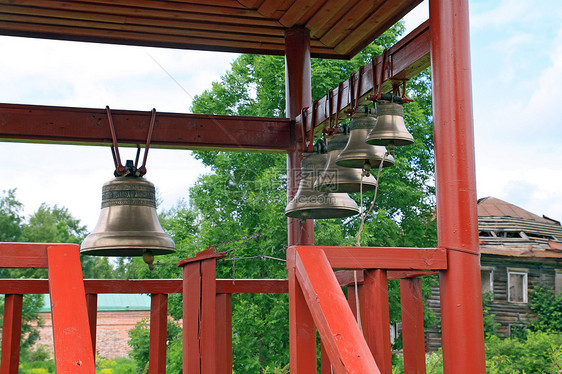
x: 311, y: 204
x: 335, y: 178
x: 358, y: 154
x: 128, y: 224
x: 389, y: 127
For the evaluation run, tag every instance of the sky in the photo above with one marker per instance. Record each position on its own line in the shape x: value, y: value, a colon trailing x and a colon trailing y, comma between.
x: 516, y: 51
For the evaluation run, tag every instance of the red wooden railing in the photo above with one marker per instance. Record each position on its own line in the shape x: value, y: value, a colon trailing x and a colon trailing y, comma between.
x: 208, y: 312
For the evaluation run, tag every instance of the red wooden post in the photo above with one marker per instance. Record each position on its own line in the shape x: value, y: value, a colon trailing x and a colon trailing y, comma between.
x: 224, y: 333
x: 325, y: 366
x: 71, y: 329
x: 375, y: 318
x: 191, y: 313
x: 412, y: 326
x: 92, y: 304
x: 457, y: 219
x: 199, y: 312
x: 158, y: 333
x: 11, y: 334
x: 298, y: 89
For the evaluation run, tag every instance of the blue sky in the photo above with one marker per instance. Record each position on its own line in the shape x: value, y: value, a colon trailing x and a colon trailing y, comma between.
x: 516, y: 49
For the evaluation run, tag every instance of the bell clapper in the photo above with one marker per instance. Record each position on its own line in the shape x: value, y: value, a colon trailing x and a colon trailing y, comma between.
x: 391, y: 147
x: 148, y: 258
x: 366, y: 168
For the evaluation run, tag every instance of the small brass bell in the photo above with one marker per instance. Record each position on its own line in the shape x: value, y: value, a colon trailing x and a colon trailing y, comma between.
x: 128, y: 224
x: 336, y: 178
x: 390, y: 128
x: 311, y: 204
x: 358, y: 154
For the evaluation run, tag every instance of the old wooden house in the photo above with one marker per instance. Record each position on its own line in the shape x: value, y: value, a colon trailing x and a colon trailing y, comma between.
x: 518, y: 250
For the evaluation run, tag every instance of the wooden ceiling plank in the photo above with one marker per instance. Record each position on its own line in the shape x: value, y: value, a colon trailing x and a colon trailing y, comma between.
x: 149, y: 30
x: 222, y: 3
x: 269, y: 7
x: 252, y: 4
x: 296, y: 11
x: 151, y: 40
x: 349, y: 22
x: 141, y: 21
x: 322, y: 30
x: 146, y: 12
x: 384, y: 17
x: 330, y: 10
x: 131, y: 38
x: 174, y: 6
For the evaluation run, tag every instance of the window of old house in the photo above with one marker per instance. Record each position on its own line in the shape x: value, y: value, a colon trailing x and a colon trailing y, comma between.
x: 558, y: 281
x: 487, y: 278
x: 517, y: 285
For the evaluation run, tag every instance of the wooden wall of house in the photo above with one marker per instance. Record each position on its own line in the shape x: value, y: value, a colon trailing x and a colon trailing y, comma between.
x: 506, y: 313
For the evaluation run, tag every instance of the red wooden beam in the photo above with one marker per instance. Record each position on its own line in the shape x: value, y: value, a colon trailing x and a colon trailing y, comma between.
x: 298, y: 91
x: 408, y: 57
x: 383, y: 257
x: 340, y: 334
x: 87, y: 126
x: 375, y: 318
x: 71, y: 330
x: 455, y: 183
x: 11, y: 334
x: 92, y: 304
x: 413, y: 342
x: 158, y: 333
x: 23, y: 255
x: 224, y: 333
x: 191, y: 315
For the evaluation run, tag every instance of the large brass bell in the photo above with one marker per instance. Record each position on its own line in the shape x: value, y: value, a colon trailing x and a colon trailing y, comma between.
x: 358, y: 154
x: 336, y: 178
x: 311, y: 204
x: 128, y: 224
x: 390, y: 128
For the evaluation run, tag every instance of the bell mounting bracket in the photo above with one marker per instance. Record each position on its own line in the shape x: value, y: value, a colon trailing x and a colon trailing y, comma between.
x: 129, y: 168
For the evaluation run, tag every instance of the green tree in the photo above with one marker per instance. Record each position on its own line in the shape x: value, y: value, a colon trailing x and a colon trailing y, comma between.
x: 10, y: 216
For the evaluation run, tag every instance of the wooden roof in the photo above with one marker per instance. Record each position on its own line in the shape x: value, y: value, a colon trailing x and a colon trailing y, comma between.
x: 338, y: 28
x: 493, y: 207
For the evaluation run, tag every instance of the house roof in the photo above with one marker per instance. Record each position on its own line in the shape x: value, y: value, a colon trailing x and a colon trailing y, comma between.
x: 508, y: 230
x: 338, y: 29
x: 111, y: 302
x: 494, y: 207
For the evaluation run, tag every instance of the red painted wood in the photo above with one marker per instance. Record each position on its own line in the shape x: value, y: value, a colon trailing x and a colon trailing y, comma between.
x: 298, y: 92
x: 347, y: 277
x: 375, y: 318
x: 158, y: 333
x: 352, y: 299
x: 11, y: 334
x: 413, y: 342
x: 325, y: 365
x: 208, y: 316
x: 202, y: 255
x: 457, y: 219
x: 23, y: 255
x: 385, y: 258
x: 191, y: 315
x: 90, y: 126
x: 134, y: 286
x: 404, y: 274
x: 344, y: 343
x: 92, y: 305
x: 224, y: 333
x: 71, y: 330
x: 409, y: 57
x: 301, y: 325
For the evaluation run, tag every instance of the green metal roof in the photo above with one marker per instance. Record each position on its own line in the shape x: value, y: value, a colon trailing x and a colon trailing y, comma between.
x: 111, y: 302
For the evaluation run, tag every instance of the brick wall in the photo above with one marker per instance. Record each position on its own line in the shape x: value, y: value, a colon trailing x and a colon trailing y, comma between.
x: 111, y: 336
